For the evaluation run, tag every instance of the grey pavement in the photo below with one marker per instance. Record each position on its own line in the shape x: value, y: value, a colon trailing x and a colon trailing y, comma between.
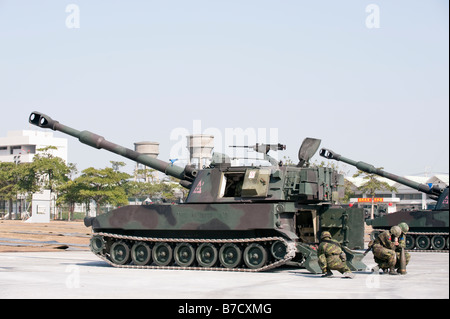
x: 80, y: 274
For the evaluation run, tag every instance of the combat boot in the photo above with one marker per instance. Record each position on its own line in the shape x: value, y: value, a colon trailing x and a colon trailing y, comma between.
x: 328, y: 274
x: 393, y: 272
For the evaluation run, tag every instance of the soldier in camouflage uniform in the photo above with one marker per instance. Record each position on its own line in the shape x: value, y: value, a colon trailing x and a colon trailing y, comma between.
x: 331, y: 257
x: 384, y: 247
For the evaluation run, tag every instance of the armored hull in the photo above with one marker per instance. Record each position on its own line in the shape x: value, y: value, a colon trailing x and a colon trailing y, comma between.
x: 237, y: 237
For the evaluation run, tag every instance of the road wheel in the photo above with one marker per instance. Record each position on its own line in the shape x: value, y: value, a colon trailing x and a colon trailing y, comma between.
x: 438, y: 242
x: 184, y: 254
x: 207, y: 255
x: 141, y: 254
x: 423, y: 242
x: 230, y: 255
x: 255, y: 256
x: 162, y: 254
x: 120, y: 253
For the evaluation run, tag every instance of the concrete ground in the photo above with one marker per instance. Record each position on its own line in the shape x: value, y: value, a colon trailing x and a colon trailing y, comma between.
x: 80, y: 274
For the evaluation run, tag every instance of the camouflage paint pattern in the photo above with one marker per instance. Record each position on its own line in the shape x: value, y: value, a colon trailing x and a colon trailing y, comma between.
x: 201, y: 217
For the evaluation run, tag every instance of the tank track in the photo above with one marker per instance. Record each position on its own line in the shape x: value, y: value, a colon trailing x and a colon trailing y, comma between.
x: 430, y: 235
x: 265, y: 242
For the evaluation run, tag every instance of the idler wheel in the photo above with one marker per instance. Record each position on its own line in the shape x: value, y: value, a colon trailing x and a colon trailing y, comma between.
x: 97, y: 244
x: 207, y: 255
x: 423, y: 242
x: 184, y: 254
x: 120, y: 253
x: 278, y: 250
x: 255, y: 256
x: 230, y: 255
x: 162, y: 254
x: 438, y: 242
x: 141, y: 254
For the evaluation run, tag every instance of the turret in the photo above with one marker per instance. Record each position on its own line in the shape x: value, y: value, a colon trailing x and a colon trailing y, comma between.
x: 434, y: 192
x: 186, y: 174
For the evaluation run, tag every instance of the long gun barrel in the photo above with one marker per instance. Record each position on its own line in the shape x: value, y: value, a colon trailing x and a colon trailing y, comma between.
x: 186, y: 175
x: 434, y: 191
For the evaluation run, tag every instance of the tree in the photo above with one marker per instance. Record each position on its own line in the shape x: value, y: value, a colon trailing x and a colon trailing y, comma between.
x: 103, y: 186
x: 51, y: 171
x: 8, y: 183
x: 348, y: 192
x: 139, y: 189
x: 16, y: 179
x: 69, y: 193
x: 163, y: 190
x: 145, y: 174
x: 45, y: 172
x: 372, y: 185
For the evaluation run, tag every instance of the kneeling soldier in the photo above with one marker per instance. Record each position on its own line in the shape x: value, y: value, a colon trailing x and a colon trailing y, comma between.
x: 331, y: 257
x: 384, y: 247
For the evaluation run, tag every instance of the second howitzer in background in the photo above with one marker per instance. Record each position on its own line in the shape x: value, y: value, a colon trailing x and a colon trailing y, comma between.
x: 428, y: 228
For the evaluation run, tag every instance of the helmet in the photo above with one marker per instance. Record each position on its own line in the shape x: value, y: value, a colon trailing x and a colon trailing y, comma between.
x: 396, y: 231
x: 404, y: 227
x: 325, y: 234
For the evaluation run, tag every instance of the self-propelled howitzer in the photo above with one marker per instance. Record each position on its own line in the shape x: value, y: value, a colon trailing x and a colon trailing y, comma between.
x: 428, y: 228
x: 240, y: 218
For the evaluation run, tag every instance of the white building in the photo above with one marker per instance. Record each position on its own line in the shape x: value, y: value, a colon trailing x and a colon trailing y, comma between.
x: 23, y: 145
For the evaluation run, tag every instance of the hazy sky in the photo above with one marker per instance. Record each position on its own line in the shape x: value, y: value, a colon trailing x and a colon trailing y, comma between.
x: 369, y: 78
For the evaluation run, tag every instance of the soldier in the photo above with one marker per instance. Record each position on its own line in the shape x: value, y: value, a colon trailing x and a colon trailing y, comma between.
x: 384, y: 247
x: 402, y: 244
x: 331, y: 257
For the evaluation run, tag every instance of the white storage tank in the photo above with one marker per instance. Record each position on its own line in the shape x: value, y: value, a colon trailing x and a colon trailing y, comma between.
x: 150, y: 149
x: 200, y: 148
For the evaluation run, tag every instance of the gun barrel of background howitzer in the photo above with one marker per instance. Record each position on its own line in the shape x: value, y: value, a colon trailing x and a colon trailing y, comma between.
x: 99, y: 142
x: 368, y: 168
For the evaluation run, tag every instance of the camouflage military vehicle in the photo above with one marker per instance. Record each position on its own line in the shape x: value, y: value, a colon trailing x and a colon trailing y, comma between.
x: 428, y: 229
x: 246, y: 218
